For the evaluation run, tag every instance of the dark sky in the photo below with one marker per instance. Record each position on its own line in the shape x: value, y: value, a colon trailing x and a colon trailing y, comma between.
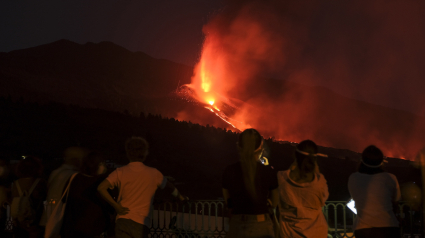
x: 372, y: 50
x: 170, y: 29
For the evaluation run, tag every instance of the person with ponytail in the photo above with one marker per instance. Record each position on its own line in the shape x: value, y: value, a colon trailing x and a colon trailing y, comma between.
x: 375, y: 192
x: 250, y: 189
x: 303, y: 191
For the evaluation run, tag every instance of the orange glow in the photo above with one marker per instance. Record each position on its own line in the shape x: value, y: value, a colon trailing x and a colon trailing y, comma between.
x: 206, y: 80
x: 231, y: 81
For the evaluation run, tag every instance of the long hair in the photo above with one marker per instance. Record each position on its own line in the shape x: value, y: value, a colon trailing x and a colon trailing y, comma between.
x: 250, y: 145
x: 306, y: 163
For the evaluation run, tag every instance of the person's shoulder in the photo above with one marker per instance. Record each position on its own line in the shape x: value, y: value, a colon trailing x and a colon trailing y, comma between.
x: 389, y: 176
x: 151, y: 169
x: 122, y: 168
x: 320, y: 177
x: 283, y: 174
x: 354, y: 175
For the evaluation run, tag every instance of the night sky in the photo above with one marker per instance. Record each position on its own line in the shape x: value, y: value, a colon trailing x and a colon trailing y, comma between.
x: 368, y: 50
x: 170, y: 29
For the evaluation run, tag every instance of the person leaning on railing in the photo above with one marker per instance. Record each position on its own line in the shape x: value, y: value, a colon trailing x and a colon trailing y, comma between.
x: 247, y: 186
x: 374, y: 192
x: 137, y: 184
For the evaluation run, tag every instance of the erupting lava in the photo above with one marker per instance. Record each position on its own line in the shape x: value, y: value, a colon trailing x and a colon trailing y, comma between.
x: 209, y: 85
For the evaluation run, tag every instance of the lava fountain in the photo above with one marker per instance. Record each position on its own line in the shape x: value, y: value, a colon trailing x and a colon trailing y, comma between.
x: 210, y: 84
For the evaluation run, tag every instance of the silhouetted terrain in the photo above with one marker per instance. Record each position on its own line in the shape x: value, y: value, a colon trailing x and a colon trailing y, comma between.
x: 93, y: 95
x: 107, y: 76
x: 194, y: 155
x: 101, y: 75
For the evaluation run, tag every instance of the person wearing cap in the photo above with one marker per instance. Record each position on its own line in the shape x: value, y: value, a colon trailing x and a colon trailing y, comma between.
x: 303, y: 191
x: 374, y: 192
x: 137, y: 184
x: 247, y: 187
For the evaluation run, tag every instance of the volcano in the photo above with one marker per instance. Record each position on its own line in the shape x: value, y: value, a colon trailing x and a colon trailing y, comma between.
x: 107, y: 76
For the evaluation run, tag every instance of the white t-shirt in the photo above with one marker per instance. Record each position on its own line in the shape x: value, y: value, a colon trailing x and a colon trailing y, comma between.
x: 374, y: 195
x: 137, y: 184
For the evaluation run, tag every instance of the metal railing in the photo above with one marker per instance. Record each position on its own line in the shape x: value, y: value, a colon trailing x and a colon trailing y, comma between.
x: 203, y: 218
x: 207, y: 218
x: 340, y: 220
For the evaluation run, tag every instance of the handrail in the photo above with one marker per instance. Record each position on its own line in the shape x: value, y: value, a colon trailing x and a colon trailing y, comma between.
x: 207, y: 218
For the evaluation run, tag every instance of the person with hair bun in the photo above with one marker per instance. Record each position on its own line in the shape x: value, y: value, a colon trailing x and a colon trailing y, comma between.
x: 303, y: 192
x: 247, y: 187
x: 374, y: 192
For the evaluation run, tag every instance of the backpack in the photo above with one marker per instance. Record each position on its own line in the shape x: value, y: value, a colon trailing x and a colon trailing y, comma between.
x: 22, y: 208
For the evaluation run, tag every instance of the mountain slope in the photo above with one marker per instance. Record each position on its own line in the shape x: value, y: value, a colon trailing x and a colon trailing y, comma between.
x: 107, y: 76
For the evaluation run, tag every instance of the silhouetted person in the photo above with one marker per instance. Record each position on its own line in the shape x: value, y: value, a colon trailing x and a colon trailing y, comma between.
x: 86, y: 213
x: 303, y: 192
x: 247, y: 186
x: 374, y: 192
x: 4, y: 194
x: 29, y: 182
x: 72, y: 157
x: 137, y: 184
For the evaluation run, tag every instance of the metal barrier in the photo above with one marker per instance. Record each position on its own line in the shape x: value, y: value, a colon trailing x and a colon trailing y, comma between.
x: 193, y: 219
x: 340, y: 220
x: 199, y: 219
x: 207, y: 218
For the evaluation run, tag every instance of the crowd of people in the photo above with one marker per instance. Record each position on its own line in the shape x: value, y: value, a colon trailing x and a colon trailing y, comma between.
x: 253, y: 192
x: 261, y: 202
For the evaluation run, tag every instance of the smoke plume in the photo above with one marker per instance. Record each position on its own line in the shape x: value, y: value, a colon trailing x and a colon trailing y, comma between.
x: 371, y: 51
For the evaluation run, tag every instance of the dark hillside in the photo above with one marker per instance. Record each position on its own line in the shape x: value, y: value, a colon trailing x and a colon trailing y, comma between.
x: 194, y: 155
x: 107, y: 76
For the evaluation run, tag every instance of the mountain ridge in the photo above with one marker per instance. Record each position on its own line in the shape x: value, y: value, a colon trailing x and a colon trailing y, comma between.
x: 107, y: 76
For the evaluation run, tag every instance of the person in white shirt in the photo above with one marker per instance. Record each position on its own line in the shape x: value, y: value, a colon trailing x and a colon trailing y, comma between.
x: 375, y: 192
x: 137, y: 184
x: 303, y: 191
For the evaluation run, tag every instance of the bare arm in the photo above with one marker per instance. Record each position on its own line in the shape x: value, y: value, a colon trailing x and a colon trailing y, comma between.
x: 103, y: 191
x: 174, y: 191
x: 226, y: 197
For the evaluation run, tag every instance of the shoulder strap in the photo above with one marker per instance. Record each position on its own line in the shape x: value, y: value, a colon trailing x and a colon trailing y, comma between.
x: 67, y: 188
x: 19, y: 188
x: 33, y: 186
